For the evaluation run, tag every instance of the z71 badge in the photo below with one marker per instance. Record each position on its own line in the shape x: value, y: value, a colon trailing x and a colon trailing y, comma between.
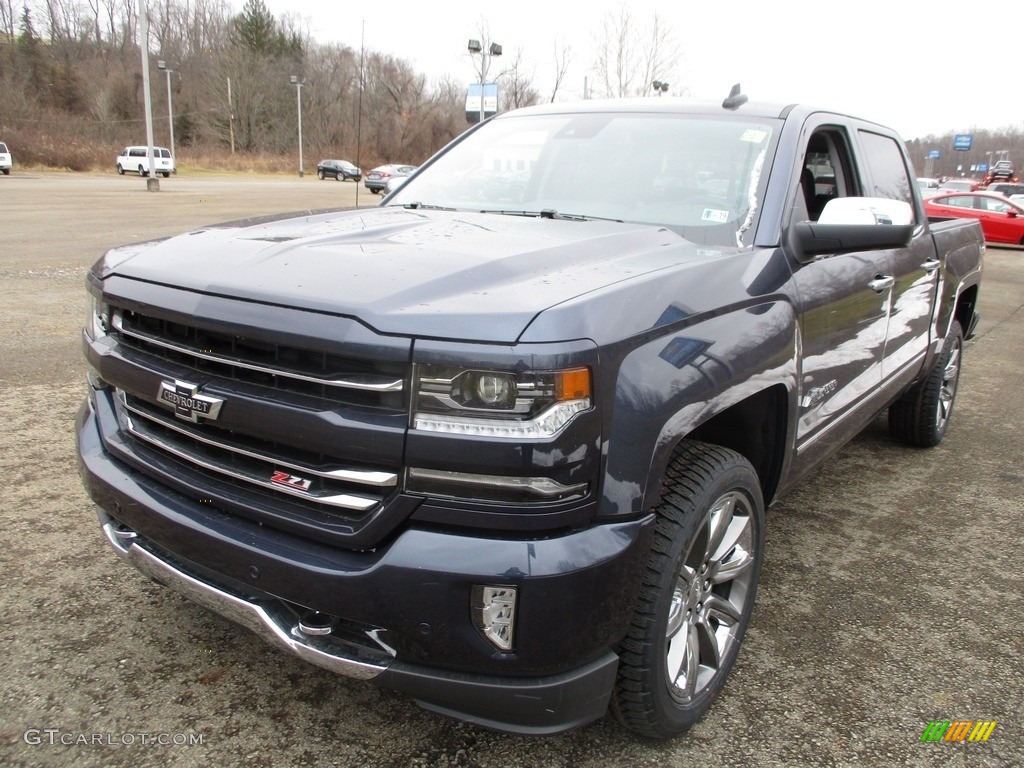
x: 188, y: 404
x: 292, y: 481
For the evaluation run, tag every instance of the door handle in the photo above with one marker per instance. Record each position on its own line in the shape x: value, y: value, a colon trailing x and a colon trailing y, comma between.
x: 881, y: 283
x: 931, y: 265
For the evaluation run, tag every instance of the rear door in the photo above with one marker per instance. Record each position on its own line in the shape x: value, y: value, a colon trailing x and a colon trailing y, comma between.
x: 914, y: 270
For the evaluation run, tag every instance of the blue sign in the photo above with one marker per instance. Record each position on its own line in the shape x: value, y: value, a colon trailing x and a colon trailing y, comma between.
x: 933, y: 155
x: 963, y: 141
x: 982, y: 167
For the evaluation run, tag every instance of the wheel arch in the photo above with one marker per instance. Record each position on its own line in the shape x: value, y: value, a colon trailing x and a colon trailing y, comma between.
x: 966, y: 310
x: 756, y: 427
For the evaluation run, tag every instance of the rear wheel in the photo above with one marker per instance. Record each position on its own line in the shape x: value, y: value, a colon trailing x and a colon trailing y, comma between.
x: 697, y: 595
x: 921, y: 416
x: 142, y: 171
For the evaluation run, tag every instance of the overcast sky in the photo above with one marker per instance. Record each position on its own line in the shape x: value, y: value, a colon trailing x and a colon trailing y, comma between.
x: 915, y: 67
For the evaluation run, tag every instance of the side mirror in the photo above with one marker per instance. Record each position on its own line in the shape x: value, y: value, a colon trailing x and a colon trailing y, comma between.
x: 850, y: 224
x: 1011, y: 214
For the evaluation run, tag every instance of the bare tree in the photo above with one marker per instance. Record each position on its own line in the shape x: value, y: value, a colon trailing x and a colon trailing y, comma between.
x: 563, y: 57
x: 630, y: 55
x: 516, y: 85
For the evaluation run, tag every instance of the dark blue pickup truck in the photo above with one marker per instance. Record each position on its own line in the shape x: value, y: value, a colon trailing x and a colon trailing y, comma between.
x: 505, y: 441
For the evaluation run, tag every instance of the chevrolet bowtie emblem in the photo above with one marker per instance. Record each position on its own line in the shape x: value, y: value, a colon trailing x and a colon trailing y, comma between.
x: 188, y: 404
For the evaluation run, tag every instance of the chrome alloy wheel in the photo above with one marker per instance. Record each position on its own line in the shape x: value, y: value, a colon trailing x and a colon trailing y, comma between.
x: 947, y: 391
x: 708, y: 601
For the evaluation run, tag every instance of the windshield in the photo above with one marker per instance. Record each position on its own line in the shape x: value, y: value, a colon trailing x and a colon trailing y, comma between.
x: 696, y: 174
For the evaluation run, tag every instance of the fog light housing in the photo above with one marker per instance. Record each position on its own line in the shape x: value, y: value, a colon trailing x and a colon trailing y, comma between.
x: 494, y: 608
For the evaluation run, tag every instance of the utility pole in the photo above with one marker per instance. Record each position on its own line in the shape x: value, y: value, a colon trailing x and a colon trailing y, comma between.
x: 152, y: 182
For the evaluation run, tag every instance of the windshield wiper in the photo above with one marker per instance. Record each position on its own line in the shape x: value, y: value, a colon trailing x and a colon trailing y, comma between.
x: 418, y: 206
x: 551, y: 213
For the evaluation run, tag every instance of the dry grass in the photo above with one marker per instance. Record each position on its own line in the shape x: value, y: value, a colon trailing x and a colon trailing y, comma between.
x: 61, y: 149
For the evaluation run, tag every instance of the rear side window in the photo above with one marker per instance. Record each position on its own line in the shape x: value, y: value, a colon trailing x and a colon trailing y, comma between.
x: 884, y: 159
x: 3, y: 147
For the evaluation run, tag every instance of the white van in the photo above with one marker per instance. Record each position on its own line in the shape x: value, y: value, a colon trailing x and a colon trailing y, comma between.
x: 134, y: 160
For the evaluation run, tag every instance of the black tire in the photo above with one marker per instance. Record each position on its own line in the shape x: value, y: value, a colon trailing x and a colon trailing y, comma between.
x: 166, y: 174
x: 339, y: 177
x: 922, y: 415
x: 320, y: 175
x: 374, y: 191
x: 142, y: 171
x: 120, y: 170
x: 697, y: 593
x: 7, y: 171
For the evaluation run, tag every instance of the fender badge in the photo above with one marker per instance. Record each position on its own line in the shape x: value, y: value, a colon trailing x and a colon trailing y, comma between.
x: 188, y: 404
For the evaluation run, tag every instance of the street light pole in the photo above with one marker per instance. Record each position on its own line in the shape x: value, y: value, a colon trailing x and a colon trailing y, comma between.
x: 161, y: 64
x: 298, y: 101
x: 493, y: 50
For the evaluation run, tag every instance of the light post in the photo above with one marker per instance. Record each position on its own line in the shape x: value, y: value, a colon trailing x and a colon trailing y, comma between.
x: 298, y: 101
x: 659, y: 86
x: 161, y: 64
x: 492, y: 50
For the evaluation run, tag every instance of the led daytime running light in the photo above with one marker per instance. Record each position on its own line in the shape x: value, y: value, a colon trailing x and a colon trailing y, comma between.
x: 544, y: 425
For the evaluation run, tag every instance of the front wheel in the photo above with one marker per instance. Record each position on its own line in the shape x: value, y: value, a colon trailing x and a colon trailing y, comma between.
x: 120, y: 170
x: 921, y: 416
x: 339, y: 177
x: 320, y: 175
x: 697, y: 594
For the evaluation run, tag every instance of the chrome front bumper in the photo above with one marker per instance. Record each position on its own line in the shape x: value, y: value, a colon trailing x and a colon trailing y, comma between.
x: 278, y: 626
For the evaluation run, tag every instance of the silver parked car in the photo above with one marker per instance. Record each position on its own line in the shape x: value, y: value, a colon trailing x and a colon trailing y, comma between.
x: 377, y: 179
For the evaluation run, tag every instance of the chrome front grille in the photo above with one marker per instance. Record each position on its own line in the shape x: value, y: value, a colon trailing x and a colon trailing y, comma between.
x: 320, y: 481
x: 283, y: 367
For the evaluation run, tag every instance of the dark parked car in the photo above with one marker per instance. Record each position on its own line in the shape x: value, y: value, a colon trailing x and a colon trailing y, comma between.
x: 377, y: 179
x: 1001, y: 170
x: 337, y: 169
x: 1002, y: 219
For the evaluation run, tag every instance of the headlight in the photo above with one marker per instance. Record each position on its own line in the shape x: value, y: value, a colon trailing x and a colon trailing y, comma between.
x: 97, y: 320
x: 499, y: 403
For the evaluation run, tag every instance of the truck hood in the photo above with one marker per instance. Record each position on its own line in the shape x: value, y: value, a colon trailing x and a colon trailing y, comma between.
x: 438, y: 274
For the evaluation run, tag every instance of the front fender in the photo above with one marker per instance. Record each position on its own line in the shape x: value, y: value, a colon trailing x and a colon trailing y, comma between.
x: 671, y: 385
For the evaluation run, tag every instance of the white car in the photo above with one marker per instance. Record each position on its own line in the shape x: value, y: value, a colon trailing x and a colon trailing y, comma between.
x: 928, y: 186
x: 6, y: 161
x: 135, y: 160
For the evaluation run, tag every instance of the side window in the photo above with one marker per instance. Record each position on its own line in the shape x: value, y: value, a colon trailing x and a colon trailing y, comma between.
x: 887, y: 167
x: 989, y: 204
x: 826, y: 173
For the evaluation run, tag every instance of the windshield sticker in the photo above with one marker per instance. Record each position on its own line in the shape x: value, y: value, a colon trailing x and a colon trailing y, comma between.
x: 754, y: 136
x: 716, y: 215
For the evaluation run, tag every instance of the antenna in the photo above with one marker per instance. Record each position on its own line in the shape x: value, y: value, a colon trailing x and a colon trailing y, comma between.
x: 735, y: 99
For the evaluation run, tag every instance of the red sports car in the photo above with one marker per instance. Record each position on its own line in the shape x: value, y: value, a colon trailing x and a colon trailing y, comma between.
x: 1002, y: 220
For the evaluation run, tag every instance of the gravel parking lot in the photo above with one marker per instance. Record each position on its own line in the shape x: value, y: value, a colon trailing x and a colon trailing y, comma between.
x: 889, y: 597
